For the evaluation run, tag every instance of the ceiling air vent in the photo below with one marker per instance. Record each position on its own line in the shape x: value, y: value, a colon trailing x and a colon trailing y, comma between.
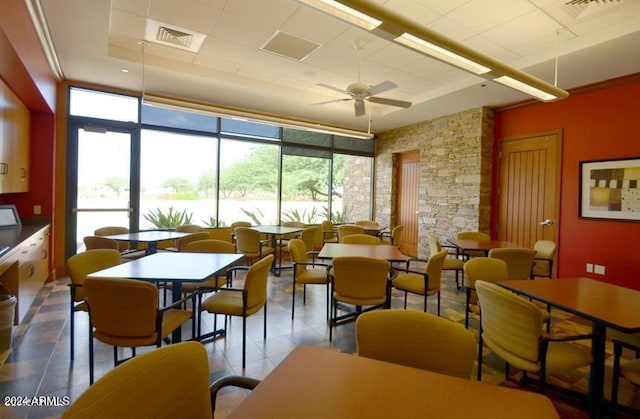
x: 290, y: 46
x: 173, y: 36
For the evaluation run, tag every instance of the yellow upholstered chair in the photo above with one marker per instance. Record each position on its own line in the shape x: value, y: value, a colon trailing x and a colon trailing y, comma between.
x: 244, y: 301
x: 123, y: 246
x: 510, y: 327
x: 358, y: 281
x: 249, y: 242
x: 472, y: 235
x: 361, y: 239
x: 310, y: 236
x: 125, y: 313
x: 168, y: 382
x: 394, y: 236
x: 543, y: 262
x: 480, y: 269
x: 182, y: 243
x: 418, y: 340
x: 78, y: 267
x: 112, y: 230
x: 305, y: 272
x: 236, y: 224
x: 347, y: 229
x: 329, y: 232
x: 220, y: 233
x: 99, y: 242
x: 450, y: 263
x: 427, y: 282
x: 189, y: 228
x: 519, y: 260
x: 630, y: 369
x: 367, y: 223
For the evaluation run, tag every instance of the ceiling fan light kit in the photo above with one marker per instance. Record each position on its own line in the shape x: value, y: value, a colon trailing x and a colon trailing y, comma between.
x: 402, y: 31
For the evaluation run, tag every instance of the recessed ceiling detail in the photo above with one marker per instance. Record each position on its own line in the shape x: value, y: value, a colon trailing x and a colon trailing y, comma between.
x: 290, y: 46
x: 173, y: 36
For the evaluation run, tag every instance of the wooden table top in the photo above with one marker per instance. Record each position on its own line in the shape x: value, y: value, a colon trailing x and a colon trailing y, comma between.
x: 313, y: 382
x: 149, y: 236
x: 380, y: 251
x: 482, y: 245
x: 172, y: 266
x: 598, y: 301
x: 277, y: 230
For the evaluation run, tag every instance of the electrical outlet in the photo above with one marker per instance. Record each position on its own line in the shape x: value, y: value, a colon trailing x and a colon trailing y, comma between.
x: 598, y: 269
x: 37, y: 210
x: 590, y: 267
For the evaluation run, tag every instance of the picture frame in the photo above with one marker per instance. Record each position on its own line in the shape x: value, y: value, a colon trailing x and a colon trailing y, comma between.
x: 610, y: 189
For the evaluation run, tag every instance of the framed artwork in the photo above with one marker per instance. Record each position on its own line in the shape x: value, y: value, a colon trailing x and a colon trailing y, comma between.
x: 610, y: 189
x: 9, y: 216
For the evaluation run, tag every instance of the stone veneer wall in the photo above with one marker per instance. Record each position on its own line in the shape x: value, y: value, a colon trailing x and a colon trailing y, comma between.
x: 357, y: 187
x: 455, y: 173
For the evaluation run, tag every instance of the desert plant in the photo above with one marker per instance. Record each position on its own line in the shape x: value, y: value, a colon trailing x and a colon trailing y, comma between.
x: 171, y: 219
x: 214, y: 222
x: 304, y: 216
x: 256, y: 220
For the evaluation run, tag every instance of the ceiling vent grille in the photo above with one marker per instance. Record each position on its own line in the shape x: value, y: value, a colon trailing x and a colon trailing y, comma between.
x: 290, y: 46
x: 173, y: 36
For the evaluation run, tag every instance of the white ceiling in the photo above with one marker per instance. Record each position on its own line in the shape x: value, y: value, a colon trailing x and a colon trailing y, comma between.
x: 96, y: 39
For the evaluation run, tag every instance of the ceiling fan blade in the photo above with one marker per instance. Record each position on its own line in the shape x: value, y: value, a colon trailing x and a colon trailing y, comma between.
x: 331, y: 101
x: 391, y: 102
x: 381, y: 87
x: 335, y: 89
x: 359, y: 107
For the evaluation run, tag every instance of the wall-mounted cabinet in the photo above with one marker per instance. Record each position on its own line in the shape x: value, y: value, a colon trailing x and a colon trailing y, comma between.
x: 14, y: 142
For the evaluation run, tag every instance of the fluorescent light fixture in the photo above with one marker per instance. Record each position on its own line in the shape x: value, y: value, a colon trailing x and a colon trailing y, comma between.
x: 243, y: 115
x: 343, y: 12
x: 525, y: 88
x: 443, y: 54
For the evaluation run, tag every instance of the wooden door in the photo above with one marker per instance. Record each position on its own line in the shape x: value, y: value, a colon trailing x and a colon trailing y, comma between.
x: 529, y: 194
x: 407, y: 187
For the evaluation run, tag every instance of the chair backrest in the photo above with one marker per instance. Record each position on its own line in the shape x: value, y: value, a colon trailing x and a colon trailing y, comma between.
x: 112, y: 230
x: 122, y: 307
x: 255, y: 283
x: 239, y: 224
x: 545, y: 252
x: 99, y: 242
x: 396, y: 235
x: 308, y: 236
x: 296, y: 224
x: 298, y: 253
x: 472, y: 235
x: 361, y: 239
x: 318, y: 237
x: 347, y: 229
x: 509, y: 322
x: 220, y: 233
x: 416, y: 339
x: 486, y: 269
x: 360, y: 278
x: 210, y: 246
x: 434, y: 244
x: 182, y: 242
x: 189, y: 228
x: 82, y: 264
x: 328, y: 230
x: 247, y: 240
x: 169, y: 382
x: 519, y: 260
x: 367, y: 223
x: 434, y: 269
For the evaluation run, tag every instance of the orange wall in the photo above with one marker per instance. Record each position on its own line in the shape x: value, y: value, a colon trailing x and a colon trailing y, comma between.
x: 596, y: 125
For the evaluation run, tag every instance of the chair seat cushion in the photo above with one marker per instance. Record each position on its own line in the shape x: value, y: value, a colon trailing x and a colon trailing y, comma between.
x: 312, y: 276
x: 189, y: 287
x: 412, y: 283
x: 227, y: 302
x: 452, y: 264
x: 359, y: 301
x: 631, y: 371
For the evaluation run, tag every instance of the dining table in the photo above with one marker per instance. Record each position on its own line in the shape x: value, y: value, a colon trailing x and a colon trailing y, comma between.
x: 484, y: 246
x: 150, y: 237
x: 379, y: 251
x: 603, y: 304
x: 313, y: 382
x: 174, y: 267
x: 275, y: 234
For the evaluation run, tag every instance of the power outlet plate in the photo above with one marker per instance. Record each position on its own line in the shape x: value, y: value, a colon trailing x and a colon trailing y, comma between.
x: 590, y: 267
x: 598, y: 269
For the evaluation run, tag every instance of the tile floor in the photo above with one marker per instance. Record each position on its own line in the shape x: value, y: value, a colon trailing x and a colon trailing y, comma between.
x: 40, y: 362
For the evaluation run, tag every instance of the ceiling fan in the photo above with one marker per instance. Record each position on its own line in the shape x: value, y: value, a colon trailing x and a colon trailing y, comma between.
x: 359, y: 91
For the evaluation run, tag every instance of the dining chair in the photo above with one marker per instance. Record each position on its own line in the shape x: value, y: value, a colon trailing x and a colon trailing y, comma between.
x: 418, y: 340
x: 189, y: 228
x: 510, y: 327
x: 367, y: 223
x: 629, y: 369
x: 426, y: 283
x: 123, y: 246
x: 243, y: 301
x: 329, y: 232
x: 306, y: 272
x: 358, y: 281
x: 347, y: 229
x: 282, y: 245
x: 249, y: 242
x: 472, y: 235
x: 543, y: 262
x: 394, y: 236
x: 79, y: 266
x: 310, y: 236
x: 99, y: 242
x: 450, y: 263
x: 125, y: 312
x: 182, y: 242
x: 361, y: 239
x: 480, y: 269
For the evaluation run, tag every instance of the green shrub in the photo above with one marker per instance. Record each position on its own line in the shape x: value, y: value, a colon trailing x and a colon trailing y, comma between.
x: 171, y: 219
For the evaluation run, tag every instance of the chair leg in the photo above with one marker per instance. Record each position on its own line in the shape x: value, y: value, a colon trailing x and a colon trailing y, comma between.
x: 264, y: 333
x: 405, y: 300
x: 293, y: 295
x: 466, y: 308
x: 438, y: 303
x: 617, y: 353
x: 90, y: 352
x: 72, y: 315
x: 333, y: 315
x: 480, y: 344
x: 244, y: 341
x: 304, y: 294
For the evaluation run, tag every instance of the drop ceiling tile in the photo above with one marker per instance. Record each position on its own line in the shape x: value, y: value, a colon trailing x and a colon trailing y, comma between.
x: 127, y: 24
x: 481, y: 15
x: 188, y: 14
x: 217, y: 63
x: 443, y: 7
x: 434, y: 71
x: 229, y: 51
x: 310, y: 25
x: 491, y: 49
x: 257, y: 73
x: 450, y: 28
x: 138, y: 7
x: 513, y: 33
x: 414, y: 10
x: 393, y: 56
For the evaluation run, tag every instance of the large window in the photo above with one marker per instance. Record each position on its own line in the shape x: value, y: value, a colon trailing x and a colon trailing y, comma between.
x: 178, y: 166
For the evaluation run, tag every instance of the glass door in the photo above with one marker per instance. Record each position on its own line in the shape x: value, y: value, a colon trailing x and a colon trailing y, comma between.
x: 101, y: 188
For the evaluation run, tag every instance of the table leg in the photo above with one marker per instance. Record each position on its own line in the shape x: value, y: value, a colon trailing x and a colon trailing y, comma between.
x: 152, y: 247
x: 596, y: 378
x: 176, y: 294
